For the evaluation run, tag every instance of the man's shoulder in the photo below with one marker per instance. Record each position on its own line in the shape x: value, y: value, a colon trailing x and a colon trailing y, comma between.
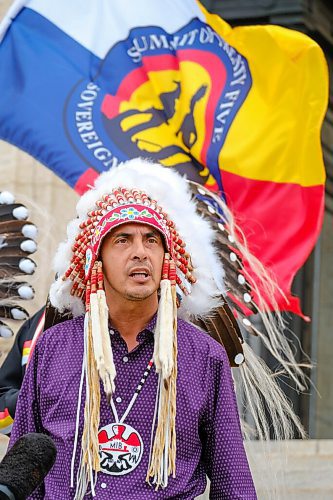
x: 61, y: 331
x: 196, y: 340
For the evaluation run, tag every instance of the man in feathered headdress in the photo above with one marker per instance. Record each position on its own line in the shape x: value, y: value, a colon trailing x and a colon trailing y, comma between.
x: 139, y: 402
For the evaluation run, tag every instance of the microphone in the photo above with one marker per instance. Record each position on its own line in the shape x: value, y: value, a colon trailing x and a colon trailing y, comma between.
x: 25, y: 466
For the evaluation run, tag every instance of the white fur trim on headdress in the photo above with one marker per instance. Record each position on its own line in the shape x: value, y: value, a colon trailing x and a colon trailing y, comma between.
x: 172, y: 193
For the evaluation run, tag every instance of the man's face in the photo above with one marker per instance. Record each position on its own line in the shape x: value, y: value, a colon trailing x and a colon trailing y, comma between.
x: 132, y: 256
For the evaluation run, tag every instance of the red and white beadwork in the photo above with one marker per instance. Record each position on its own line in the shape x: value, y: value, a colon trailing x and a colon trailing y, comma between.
x: 142, y: 182
x: 119, y: 207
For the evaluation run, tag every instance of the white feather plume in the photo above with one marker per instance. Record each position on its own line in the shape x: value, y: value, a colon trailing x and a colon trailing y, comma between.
x: 172, y: 193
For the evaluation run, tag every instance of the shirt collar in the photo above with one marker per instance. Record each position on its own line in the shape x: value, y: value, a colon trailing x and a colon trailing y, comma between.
x: 145, y: 334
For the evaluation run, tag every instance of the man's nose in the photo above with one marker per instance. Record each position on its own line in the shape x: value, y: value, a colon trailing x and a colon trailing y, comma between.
x: 139, y: 249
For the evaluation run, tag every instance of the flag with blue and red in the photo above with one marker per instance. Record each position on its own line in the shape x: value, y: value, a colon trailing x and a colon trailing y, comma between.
x: 85, y: 85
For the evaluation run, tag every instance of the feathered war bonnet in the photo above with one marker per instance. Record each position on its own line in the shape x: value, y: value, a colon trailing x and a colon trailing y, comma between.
x: 191, y: 286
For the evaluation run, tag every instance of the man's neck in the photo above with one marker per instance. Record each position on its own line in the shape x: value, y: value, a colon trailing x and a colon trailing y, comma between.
x: 131, y: 318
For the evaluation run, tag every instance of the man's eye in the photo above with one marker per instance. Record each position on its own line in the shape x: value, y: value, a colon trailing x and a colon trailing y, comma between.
x: 152, y: 240
x: 121, y: 240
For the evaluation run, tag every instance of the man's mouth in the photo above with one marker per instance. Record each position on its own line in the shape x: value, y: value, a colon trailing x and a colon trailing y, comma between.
x: 140, y: 275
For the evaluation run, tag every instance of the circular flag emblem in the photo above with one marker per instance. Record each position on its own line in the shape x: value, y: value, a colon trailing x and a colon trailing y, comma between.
x: 169, y: 97
x: 120, y: 449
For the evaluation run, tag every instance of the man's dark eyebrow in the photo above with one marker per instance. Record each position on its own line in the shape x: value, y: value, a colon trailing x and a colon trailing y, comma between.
x: 123, y: 235
x: 153, y: 233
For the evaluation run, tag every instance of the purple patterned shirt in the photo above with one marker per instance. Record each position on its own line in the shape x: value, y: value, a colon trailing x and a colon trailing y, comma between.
x: 209, y: 439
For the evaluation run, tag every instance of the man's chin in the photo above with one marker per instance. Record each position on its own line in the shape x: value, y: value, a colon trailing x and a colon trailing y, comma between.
x: 139, y: 294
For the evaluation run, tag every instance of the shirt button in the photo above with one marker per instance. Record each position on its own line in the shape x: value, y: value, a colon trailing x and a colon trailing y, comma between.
x: 103, y: 485
x: 125, y: 359
x: 118, y: 399
x: 111, y: 333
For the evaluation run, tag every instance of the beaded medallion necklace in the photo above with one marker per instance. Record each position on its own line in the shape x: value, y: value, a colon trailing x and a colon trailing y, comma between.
x: 121, y: 446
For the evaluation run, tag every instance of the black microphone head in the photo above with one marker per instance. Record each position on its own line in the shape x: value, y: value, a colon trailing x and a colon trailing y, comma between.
x: 27, y: 463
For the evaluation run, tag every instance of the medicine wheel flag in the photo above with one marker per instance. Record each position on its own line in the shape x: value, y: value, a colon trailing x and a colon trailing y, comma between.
x: 85, y: 85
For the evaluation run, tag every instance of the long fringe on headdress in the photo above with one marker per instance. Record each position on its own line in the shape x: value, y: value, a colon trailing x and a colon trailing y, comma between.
x: 250, y: 286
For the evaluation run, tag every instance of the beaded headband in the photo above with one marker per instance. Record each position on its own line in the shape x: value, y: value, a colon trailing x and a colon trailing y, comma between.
x: 122, y: 206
